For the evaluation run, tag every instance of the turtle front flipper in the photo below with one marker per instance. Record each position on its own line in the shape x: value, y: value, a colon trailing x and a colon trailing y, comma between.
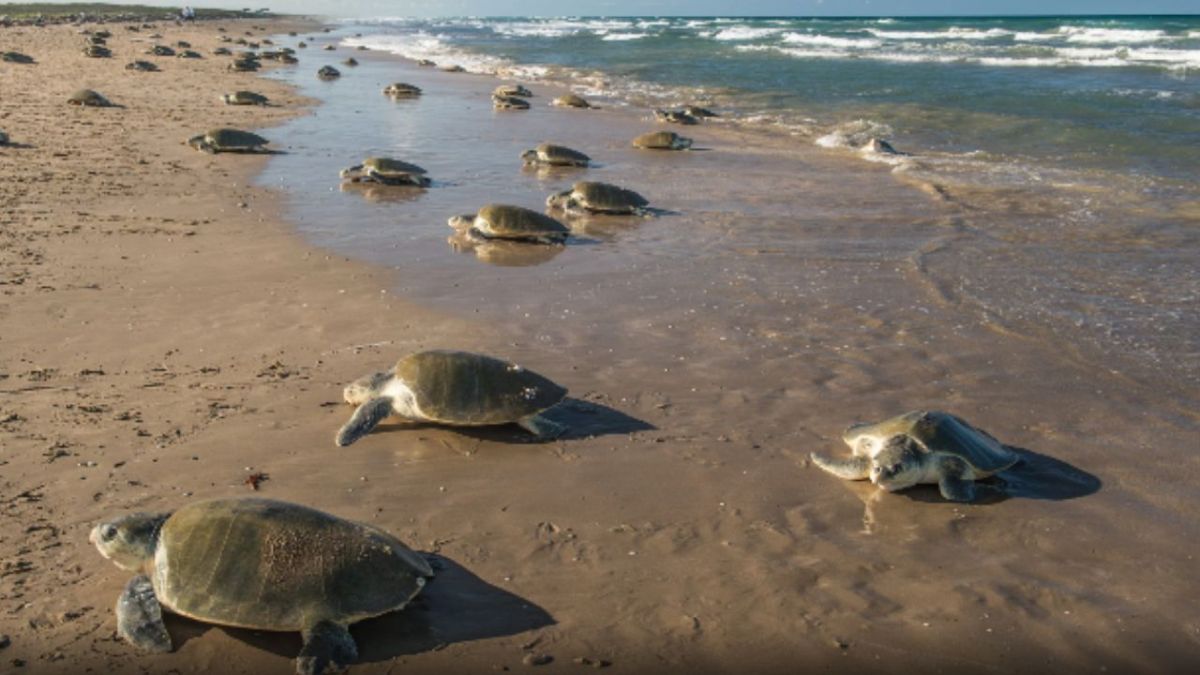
x: 139, y: 617
x: 955, y: 483
x: 328, y: 648
x: 365, y: 418
x: 542, y: 428
x: 853, y: 468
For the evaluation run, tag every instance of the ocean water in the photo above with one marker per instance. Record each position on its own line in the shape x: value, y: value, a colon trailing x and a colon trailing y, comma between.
x: 1048, y: 188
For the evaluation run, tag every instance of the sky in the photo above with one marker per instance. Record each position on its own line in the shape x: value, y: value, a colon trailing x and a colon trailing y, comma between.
x: 347, y: 8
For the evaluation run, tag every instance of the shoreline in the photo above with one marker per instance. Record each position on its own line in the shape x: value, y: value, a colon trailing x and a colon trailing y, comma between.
x: 167, y: 341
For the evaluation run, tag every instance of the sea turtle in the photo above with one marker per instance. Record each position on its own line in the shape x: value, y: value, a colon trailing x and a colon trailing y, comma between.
x: 15, y: 57
x: 244, y: 65
x: 662, y: 140
x: 260, y: 564
x: 454, y: 69
x: 452, y: 388
x: 571, y: 101
x: 425, y: 62
x: 183, y: 44
x: 697, y: 111
x: 363, y: 48
x: 96, y: 40
x: 879, y: 146
x: 509, y: 103
x: 591, y: 197
x: 330, y: 48
x: 97, y: 52
x: 3, y: 138
x: 161, y: 50
x: 674, y: 116
x: 921, y: 447
x: 142, y: 66
x: 221, y: 51
x: 244, y: 98
x: 87, y: 97
x: 501, y: 221
x: 512, y: 90
x: 351, y: 62
x: 189, y: 54
x: 103, y: 34
x: 401, y: 90
x: 386, y: 171
x: 302, y: 44
x: 328, y: 73
x: 554, y: 155
x: 228, y: 140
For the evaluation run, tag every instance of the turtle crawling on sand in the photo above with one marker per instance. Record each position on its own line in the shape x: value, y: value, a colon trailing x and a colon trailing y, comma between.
x: 509, y: 103
x: 328, y: 73
x: 662, y: 140
x: 698, y: 112
x: 142, y: 66
x: 15, y: 57
x: 87, y: 97
x: 455, y: 68
x: 571, y: 101
x: 244, y: 65
x: 550, y: 154
x: 97, y: 51
x: 674, y: 117
x: 502, y: 221
x: 259, y: 564
x: 242, y: 97
x: 160, y: 50
x: 512, y: 90
x: 386, y: 171
x: 587, y: 197
x: 401, y: 90
x: 452, y: 388
x: 228, y: 140
x: 921, y: 447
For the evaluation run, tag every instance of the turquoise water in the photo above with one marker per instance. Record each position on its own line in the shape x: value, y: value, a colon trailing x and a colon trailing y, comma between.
x: 1110, y: 93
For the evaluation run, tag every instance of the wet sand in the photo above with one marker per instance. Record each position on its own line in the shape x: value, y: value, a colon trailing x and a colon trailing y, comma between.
x: 165, y: 332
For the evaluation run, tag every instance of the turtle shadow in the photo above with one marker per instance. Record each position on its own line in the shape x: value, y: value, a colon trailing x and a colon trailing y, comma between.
x: 17, y: 146
x: 1036, y: 476
x: 456, y: 606
x: 583, y: 419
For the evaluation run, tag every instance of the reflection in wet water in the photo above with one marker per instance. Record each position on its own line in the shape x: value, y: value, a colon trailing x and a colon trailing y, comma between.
x: 378, y: 193
x: 504, y: 253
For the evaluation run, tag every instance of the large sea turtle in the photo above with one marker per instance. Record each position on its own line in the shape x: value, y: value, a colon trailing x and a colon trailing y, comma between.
x: 571, y: 101
x: 387, y: 171
x: 87, y: 97
x: 550, y: 154
x: 142, y: 66
x: 509, y: 103
x: 401, y: 90
x: 259, y: 564
x: 452, y: 388
x: 328, y: 73
x: 15, y: 57
x: 502, y: 221
x: 228, y: 140
x: 243, y: 97
x: 662, y: 140
x: 674, y: 116
x: 921, y: 447
x: 512, y: 90
x: 97, y: 51
x: 592, y: 197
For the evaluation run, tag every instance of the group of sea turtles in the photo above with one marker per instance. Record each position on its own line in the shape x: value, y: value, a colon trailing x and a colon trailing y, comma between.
x: 271, y: 565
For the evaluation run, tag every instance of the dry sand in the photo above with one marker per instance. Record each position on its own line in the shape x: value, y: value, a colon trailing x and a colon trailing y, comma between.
x: 164, y: 333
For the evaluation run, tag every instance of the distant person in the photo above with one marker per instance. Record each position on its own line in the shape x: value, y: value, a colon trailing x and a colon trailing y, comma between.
x: 188, y: 14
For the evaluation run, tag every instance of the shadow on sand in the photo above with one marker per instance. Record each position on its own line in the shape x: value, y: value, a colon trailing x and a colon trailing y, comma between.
x: 456, y: 606
x: 1036, y: 476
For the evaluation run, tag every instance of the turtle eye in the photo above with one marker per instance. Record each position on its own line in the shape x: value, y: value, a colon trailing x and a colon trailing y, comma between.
x: 108, y: 532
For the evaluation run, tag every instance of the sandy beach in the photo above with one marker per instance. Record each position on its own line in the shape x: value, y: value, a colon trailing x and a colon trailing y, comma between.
x: 172, y: 322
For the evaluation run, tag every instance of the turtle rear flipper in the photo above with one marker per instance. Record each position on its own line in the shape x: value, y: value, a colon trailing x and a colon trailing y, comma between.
x: 328, y: 648
x: 365, y: 418
x: 139, y: 617
x: 542, y: 428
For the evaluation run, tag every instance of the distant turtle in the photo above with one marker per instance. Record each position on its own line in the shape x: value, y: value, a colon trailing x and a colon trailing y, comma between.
x: 509, y: 103
x: 161, y: 50
x: 554, y: 155
x: 512, y: 90
x: 452, y: 388
x: 96, y: 40
x: 674, y: 116
x: 259, y: 564
x: 244, y: 65
x: 103, y: 34
x: 880, y: 147
x: 363, y: 48
x: 3, y: 138
x: 221, y: 51
x: 571, y: 101
x: 302, y: 44
x: 501, y: 221
x: 328, y: 73
x: 386, y: 171
x: 697, y: 111
x: 591, y: 197
x: 330, y: 48
x: 228, y: 140
x: 921, y: 447
x: 351, y: 62
x: 285, y: 57
x: 425, y: 62
x: 189, y: 54
x: 454, y: 69
x: 142, y: 66
x: 662, y: 140
x: 242, y: 97
x: 15, y: 57
x: 87, y: 97
x: 401, y: 90
x: 97, y: 52
x: 183, y: 44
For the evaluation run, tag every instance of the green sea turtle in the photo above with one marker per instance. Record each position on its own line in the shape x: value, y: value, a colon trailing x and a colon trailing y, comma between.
x: 425, y: 62
x: 244, y: 65
x: 571, y: 101
x: 97, y: 52
x: 15, y: 57
x: 591, y: 197
x: 189, y: 54
x: 401, y: 90
x: 242, y: 97
x: 96, y: 40
x: 386, y: 171
x: 3, y: 138
x: 512, y: 90
x: 697, y: 111
x: 161, y: 50
x: 550, y: 154
x: 183, y: 44
x: 351, y: 62
x: 662, y: 140
x: 502, y: 221
x: 452, y: 388
x: 87, y: 97
x: 330, y: 48
x: 142, y: 66
x: 509, y: 103
x: 674, y: 117
x: 453, y: 69
x: 328, y: 73
x: 258, y: 564
x: 921, y: 447
x: 228, y: 140
x: 221, y: 51
x: 879, y: 146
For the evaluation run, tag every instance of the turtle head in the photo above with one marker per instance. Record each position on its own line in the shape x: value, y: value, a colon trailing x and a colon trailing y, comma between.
x: 682, y: 143
x: 197, y: 142
x: 366, y: 387
x: 529, y: 156
x: 351, y: 171
x: 129, y: 541
x: 560, y: 200
x: 462, y: 222
x: 897, y: 465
